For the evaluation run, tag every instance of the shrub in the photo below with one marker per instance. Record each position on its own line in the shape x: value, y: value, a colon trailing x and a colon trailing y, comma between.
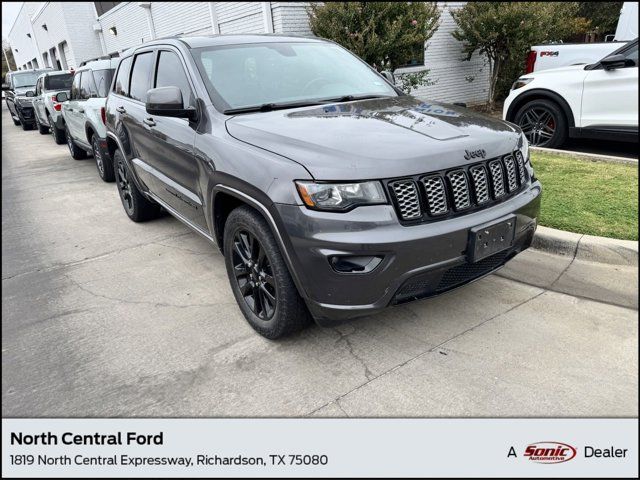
x: 504, y: 31
x: 386, y: 35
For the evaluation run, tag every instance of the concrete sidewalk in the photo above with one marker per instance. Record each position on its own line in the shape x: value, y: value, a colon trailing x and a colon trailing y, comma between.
x: 105, y: 317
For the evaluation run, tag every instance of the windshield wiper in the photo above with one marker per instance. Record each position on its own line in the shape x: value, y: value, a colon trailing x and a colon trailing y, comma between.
x: 350, y: 98
x: 268, y: 107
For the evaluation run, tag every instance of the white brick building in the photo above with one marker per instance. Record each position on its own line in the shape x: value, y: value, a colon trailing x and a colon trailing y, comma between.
x: 78, y: 31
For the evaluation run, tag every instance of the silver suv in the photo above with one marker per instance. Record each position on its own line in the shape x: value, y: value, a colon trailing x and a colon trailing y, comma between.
x: 47, y: 110
x: 83, y: 114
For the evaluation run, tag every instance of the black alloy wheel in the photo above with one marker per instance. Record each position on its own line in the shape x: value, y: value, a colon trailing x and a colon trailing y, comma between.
x: 254, y: 275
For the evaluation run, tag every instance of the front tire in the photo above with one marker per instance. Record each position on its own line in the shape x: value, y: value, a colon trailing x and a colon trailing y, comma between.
x: 76, y: 152
x: 136, y: 206
x: 15, y: 122
x: 103, y: 163
x: 543, y: 123
x: 259, y: 277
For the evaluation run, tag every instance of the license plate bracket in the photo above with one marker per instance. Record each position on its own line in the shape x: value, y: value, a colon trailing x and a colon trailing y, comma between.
x: 490, y: 238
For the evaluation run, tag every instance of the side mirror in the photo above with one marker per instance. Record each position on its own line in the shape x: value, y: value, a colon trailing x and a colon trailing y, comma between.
x: 616, y: 61
x: 62, y: 97
x: 389, y: 76
x: 167, y: 102
x: 5, y: 86
x: 30, y: 93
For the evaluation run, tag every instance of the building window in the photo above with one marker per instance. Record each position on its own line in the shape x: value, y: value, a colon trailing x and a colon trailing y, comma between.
x: 104, y: 7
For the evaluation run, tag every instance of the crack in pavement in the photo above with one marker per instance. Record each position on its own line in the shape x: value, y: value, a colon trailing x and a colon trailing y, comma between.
x: 575, y: 253
x: 421, y: 354
x: 142, y: 302
x: 344, y: 337
x: 57, y: 266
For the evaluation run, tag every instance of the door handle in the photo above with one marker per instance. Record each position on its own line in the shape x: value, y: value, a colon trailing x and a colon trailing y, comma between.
x: 121, y: 110
x: 149, y: 121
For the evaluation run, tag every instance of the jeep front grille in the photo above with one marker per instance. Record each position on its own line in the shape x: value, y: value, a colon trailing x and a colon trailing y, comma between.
x: 447, y: 193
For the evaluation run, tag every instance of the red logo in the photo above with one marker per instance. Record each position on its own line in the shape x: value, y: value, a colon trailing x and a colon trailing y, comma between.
x: 550, y: 452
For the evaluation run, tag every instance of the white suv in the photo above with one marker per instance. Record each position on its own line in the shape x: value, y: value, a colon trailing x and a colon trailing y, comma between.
x: 592, y: 101
x: 84, y: 112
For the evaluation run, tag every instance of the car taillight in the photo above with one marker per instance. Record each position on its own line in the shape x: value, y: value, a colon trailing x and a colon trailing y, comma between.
x: 531, y: 61
x: 103, y: 115
x: 57, y: 107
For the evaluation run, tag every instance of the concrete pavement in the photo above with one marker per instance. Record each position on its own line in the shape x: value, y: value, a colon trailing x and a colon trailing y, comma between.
x: 105, y: 317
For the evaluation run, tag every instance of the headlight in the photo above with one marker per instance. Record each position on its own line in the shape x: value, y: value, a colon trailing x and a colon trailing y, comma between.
x: 521, y: 82
x: 340, y: 196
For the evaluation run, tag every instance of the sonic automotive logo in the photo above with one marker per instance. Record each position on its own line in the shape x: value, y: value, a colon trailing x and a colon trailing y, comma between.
x: 550, y: 452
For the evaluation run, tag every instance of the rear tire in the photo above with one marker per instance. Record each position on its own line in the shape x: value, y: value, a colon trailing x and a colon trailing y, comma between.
x: 543, y: 123
x: 58, y: 134
x: 15, y: 122
x: 136, y: 206
x: 25, y: 126
x: 41, y: 128
x: 259, y: 277
x: 76, y: 152
x: 103, y: 163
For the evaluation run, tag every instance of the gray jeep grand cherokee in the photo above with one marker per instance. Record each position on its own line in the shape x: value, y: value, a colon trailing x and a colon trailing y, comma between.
x: 330, y: 193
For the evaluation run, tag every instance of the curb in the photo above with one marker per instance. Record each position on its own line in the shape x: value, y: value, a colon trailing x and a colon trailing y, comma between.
x: 588, y: 156
x: 586, y: 247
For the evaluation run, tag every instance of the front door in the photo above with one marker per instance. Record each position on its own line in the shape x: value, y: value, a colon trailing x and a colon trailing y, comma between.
x: 610, y: 97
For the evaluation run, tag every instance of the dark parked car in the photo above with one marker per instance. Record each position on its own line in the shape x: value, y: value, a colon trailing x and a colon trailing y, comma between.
x: 19, y: 90
x: 330, y: 193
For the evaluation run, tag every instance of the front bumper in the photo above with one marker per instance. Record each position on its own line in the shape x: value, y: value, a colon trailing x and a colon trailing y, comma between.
x: 26, y: 113
x: 417, y: 261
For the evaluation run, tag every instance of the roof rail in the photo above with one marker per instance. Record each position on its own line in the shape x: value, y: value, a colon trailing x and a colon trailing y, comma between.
x: 103, y: 57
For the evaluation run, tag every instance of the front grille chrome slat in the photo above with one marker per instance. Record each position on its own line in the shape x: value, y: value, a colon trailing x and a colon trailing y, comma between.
x: 512, y: 176
x: 407, y: 197
x: 447, y: 193
x: 521, y: 170
x: 460, y: 189
x: 480, y: 184
x: 436, y: 195
x: 497, y: 177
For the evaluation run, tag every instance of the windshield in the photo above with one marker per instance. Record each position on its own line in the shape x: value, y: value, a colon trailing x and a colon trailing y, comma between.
x: 27, y: 79
x: 58, y: 82
x: 248, y: 75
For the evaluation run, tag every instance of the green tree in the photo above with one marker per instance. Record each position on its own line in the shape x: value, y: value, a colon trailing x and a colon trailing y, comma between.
x: 386, y: 35
x: 504, y: 31
x: 603, y: 16
x: 9, y: 54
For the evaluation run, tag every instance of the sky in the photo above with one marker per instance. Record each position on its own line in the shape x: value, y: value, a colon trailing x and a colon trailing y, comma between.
x: 9, y: 13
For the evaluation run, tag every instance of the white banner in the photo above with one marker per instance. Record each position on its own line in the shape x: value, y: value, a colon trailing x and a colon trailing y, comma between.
x: 320, y: 447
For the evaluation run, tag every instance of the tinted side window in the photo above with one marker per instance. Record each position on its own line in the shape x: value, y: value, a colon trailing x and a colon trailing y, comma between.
x: 38, y: 89
x: 87, y: 86
x: 58, y: 82
x: 121, y: 86
x: 142, y: 66
x: 171, y: 74
x: 102, y: 79
x: 75, y: 86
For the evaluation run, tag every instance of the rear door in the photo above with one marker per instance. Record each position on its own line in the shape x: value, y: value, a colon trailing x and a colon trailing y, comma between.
x: 171, y: 158
x: 132, y: 120
x: 610, y: 97
x: 38, y: 101
x: 71, y: 107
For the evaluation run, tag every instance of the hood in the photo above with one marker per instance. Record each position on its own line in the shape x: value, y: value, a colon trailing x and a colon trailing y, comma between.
x: 558, y: 70
x: 378, y: 138
x: 22, y: 91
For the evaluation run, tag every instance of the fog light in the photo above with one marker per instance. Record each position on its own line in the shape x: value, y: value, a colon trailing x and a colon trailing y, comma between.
x: 354, y: 264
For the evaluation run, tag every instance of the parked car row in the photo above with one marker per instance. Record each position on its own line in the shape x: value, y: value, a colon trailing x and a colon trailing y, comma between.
x: 330, y: 192
x: 67, y: 104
